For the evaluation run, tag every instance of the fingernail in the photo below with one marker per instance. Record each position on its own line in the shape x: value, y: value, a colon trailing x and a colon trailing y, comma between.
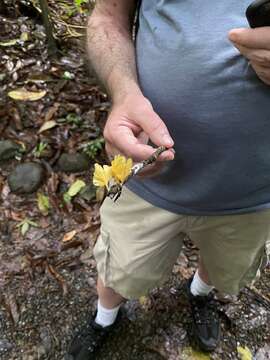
x: 234, y: 34
x: 168, y: 157
x: 167, y: 140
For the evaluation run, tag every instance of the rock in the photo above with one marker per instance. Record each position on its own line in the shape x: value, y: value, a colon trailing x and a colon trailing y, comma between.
x: 46, y: 339
x: 87, y: 256
x: 8, y: 150
x: 263, y: 353
x: 5, y: 346
x: 25, y: 178
x: 68, y: 357
x: 73, y: 162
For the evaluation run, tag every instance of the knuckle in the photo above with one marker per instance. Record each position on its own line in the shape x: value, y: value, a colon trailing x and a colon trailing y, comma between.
x: 156, y: 126
x: 263, y: 73
x: 146, y: 106
x: 262, y: 58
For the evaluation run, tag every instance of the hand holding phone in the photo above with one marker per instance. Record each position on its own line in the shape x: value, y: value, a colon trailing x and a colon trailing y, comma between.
x: 254, y: 44
x: 258, y: 13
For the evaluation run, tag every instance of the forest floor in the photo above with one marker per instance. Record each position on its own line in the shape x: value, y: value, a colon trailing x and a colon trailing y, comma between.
x: 47, y: 271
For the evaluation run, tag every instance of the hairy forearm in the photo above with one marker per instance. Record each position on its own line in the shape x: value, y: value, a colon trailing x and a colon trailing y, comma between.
x: 112, y: 54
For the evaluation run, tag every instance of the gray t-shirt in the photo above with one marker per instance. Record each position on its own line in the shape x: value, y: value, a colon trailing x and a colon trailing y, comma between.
x: 214, y: 105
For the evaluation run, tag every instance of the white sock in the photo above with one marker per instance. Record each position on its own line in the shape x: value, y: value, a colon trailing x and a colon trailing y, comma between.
x: 198, y: 287
x: 106, y: 317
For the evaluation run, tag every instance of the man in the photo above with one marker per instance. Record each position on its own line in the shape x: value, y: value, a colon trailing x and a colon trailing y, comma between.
x: 201, y: 89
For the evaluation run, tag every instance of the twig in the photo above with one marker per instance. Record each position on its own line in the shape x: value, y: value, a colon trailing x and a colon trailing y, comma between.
x: 261, y: 298
x: 140, y: 166
x: 62, y: 22
x: 115, y: 189
x: 45, y: 12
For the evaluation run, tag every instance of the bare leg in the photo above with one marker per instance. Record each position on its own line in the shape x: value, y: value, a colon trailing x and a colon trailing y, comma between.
x: 85, y: 343
x: 107, y: 296
x: 203, y: 272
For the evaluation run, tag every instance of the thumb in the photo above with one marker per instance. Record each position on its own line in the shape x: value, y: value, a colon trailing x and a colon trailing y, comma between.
x: 258, y: 38
x: 156, y: 129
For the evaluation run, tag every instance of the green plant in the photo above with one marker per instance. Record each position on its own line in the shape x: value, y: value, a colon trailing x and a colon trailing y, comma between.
x: 43, y: 203
x: 73, y: 190
x: 72, y: 118
x: 79, y: 3
x: 39, y: 148
x: 25, y: 225
x: 94, y: 147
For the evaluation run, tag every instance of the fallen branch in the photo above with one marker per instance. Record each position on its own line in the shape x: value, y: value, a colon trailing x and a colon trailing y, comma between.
x: 45, y: 12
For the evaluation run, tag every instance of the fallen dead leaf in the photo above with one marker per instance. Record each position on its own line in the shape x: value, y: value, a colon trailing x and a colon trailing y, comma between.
x: 76, y: 187
x: 69, y: 236
x: 12, y: 307
x: 5, y: 192
x: 50, y: 113
x: 11, y: 42
x: 191, y: 354
x: 244, y: 353
x: 16, y: 216
x: 59, y: 278
x: 71, y: 244
x: 25, y: 95
x: 47, y: 126
x: 43, y: 203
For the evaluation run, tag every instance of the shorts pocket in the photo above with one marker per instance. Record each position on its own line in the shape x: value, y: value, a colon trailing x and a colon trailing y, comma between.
x: 255, y: 270
x: 102, y: 256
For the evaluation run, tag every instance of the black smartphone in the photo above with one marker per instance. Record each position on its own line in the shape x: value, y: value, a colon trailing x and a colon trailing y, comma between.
x: 258, y: 13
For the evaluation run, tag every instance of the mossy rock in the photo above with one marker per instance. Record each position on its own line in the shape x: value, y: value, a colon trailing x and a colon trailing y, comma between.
x: 73, y: 163
x: 8, y: 150
x: 26, y: 178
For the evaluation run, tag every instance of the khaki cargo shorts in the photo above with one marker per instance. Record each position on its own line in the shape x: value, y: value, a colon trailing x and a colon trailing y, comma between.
x: 139, y: 244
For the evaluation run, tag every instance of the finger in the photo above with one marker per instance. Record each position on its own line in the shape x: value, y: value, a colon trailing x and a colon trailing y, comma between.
x: 258, y: 38
x: 165, y: 156
x: 263, y: 72
x: 156, y: 129
x: 143, y: 137
x: 111, y: 150
x: 260, y: 56
x: 130, y: 146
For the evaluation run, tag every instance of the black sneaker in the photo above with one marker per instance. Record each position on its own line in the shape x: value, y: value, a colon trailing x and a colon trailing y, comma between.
x: 206, y: 321
x: 88, y: 341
